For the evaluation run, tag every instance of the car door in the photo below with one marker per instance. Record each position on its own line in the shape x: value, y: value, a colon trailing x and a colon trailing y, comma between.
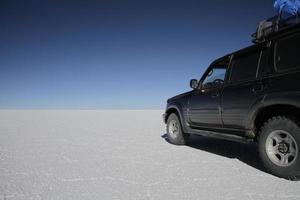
x: 244, y: 89
x: 204, y: 105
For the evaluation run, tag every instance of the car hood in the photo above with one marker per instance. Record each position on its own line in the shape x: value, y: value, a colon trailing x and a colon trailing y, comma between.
x: 179, y: 96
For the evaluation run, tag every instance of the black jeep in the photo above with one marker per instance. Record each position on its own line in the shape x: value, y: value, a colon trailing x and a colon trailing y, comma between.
x: 252, y: 95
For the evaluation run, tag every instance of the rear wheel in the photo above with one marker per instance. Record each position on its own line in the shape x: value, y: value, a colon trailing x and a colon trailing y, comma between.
x: 174, y: 131
x: 279, y: 143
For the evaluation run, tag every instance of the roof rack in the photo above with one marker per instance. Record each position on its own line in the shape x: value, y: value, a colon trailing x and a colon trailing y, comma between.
x: 272, y: 26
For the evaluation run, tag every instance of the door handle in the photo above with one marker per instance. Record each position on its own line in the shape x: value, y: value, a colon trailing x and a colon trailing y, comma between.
x: 215, y: 95
x: 258, y: 88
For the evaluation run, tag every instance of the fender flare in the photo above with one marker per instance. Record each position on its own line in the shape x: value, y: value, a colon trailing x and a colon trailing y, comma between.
x: 287, y: 99
x: 179, y: 110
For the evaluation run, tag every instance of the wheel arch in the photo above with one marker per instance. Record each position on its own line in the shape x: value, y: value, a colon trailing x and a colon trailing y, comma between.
x: 178, y: 111
x: 268, y: 111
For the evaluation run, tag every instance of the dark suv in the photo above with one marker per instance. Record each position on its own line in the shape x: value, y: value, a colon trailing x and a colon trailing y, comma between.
x: 252, y: 95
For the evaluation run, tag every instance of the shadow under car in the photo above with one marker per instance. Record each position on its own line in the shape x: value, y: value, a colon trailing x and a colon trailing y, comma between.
x: 246, y: 153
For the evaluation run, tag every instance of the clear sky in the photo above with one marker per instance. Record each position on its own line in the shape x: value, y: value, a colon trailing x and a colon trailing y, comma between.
x: 111, y: 54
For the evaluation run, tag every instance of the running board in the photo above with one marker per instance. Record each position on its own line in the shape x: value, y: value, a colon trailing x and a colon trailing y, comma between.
x: 223, y: 136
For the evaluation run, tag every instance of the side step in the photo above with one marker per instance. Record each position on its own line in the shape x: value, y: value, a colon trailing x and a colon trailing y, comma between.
x: 223, y: 136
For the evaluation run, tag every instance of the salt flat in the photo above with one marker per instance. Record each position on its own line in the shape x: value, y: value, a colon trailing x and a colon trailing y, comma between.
x: 123, y: 155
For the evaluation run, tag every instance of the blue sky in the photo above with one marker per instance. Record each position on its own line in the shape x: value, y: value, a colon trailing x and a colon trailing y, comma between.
x: 115, y: 54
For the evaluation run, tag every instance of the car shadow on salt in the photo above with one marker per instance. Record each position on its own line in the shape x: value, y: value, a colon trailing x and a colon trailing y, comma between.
x: 246, y: 153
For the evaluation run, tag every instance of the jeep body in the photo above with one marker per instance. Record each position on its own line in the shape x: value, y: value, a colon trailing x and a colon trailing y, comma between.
x: 241, y: 91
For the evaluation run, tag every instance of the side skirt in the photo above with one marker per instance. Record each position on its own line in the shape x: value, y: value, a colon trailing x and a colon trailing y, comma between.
x: 217, y: 135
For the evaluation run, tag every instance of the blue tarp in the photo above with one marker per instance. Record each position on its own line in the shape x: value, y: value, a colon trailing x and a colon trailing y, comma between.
x: 289, y: 7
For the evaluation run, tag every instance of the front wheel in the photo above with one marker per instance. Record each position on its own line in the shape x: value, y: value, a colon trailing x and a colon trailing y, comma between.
x: 279, y: 145
x: 174, y: 131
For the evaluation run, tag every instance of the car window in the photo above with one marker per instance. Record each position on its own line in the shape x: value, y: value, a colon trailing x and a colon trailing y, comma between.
x: 286, y: 53
x: 265, y: 68
x: 215, y: 77
x: 244, y: 67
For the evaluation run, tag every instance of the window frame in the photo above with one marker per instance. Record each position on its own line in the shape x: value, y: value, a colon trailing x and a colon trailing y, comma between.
x: 266, y: 61
x: 213, y: 66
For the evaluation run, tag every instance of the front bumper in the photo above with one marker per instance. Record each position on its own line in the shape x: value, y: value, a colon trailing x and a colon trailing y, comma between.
x: 164, y: 117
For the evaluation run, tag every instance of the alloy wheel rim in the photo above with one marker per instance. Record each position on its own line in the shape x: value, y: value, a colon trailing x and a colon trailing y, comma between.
x: 281, y: 148
x: 173, y: 129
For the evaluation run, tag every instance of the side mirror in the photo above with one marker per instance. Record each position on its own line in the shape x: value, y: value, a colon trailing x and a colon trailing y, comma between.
x: 194, y: 84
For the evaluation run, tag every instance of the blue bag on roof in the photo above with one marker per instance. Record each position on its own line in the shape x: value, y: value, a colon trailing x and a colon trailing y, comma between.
x: 288, y: 7
x: 288, y: 16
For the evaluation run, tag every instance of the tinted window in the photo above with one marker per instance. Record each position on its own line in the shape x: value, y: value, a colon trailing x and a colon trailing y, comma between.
x: 287, y: 53
x: 244, y: 67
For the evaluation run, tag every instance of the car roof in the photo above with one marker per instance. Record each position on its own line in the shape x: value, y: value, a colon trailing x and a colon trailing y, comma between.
x: 274, y: 36
x: 241, y: 51
x: 288, y: 30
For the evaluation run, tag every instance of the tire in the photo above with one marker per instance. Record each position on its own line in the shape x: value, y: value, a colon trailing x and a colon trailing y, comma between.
x: 175, y: 134
x: 279, y: 144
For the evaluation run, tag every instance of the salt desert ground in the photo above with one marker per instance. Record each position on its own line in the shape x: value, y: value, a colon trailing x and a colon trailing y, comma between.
x: 123, y: 155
